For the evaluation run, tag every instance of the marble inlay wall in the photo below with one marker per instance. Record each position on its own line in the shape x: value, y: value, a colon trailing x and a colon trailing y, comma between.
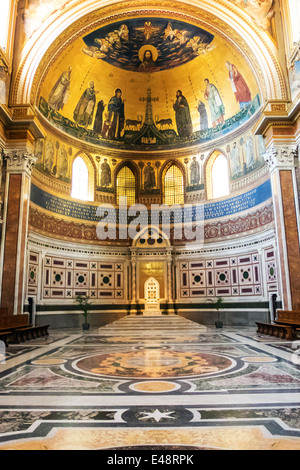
x: 232, y: 272
x: 65, y: 278
x: 229, y: 276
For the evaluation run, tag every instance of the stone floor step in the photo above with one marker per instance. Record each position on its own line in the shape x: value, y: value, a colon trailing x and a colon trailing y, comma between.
x: 146, y: 325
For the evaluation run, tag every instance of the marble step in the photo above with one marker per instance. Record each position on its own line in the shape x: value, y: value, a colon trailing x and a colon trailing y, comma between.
x: 148, y: 325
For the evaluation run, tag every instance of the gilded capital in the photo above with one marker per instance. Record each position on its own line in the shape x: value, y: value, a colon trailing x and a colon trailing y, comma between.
x: 281, y: 158
x: 19, y: 161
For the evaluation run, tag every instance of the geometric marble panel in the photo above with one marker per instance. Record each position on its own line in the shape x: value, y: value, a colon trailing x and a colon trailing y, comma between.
x: 230, y: 276
x: 67, y: 278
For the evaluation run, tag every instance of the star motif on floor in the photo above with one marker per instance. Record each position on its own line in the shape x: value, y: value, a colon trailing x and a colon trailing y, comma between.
x: 158, y: 415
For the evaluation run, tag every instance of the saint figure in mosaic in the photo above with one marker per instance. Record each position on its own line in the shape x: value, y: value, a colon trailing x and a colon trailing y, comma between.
x: 105, y: 174
x: 183, y: 116
x: 239, y: 86
x: 84, y: 110
x: 116, y: 115
x: 149, y: 177
x: 60, y: 92
x: 216, y: 106
x: 195, y: 172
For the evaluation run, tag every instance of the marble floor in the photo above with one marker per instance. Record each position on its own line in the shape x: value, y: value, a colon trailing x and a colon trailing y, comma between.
x: 151, y: 382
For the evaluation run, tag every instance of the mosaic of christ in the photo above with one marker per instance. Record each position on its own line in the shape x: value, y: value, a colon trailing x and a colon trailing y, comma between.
x: 148, y: 44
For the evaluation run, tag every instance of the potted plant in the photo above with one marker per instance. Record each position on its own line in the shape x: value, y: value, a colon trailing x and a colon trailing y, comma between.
x: 85, y: 304
x: 218, y: 305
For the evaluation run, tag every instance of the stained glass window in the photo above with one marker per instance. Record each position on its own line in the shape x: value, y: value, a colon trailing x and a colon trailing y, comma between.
x: 174, y: 187
x: 220, y: 177
x: 126, y: 185
x: 80, y: 180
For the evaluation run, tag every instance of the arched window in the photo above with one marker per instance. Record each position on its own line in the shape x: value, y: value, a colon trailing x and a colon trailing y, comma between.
x: 80, y: 180
x: 217, y: 176
x: 4, y: 22
x: 294, y: 11
x: 173, y: 186
x: 126, y: 185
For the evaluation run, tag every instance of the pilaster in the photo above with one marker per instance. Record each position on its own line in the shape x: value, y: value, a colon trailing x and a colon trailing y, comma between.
x: 281, y: 158
x: 18, y: 165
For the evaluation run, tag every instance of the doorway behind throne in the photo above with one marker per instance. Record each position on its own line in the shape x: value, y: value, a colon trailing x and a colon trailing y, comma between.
x: 152, y: 296
x: 152, y: 285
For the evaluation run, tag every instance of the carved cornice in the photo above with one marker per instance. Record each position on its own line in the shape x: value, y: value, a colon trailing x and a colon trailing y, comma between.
x: 277, y: 113
x: 281, y: 158
x: 20, y: 120
x: 17, y: 162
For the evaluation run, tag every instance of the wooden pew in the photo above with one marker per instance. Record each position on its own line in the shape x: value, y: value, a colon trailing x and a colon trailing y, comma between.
x: 19, y: 328
x: 288, y: 317
x: 278, y: 330
x: 286, y: 325
x: 30, y: 332
x: 13, y: 321
x: 4, y: 335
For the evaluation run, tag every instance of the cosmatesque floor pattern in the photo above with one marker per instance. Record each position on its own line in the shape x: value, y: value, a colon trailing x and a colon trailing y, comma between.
x: 151, y: 382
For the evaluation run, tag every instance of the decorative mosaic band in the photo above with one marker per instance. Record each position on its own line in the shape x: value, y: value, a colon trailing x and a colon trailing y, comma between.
x: 44, y: 223
x: 213, y: 210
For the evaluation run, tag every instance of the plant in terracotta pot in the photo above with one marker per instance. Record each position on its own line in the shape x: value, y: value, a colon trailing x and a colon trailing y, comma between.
x: 85, y: 304
x: 218, y: 305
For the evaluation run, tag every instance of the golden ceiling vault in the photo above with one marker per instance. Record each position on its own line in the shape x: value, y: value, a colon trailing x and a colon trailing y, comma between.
x: 149, y: 82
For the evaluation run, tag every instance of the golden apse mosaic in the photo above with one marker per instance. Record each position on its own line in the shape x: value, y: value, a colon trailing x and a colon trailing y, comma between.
x: 145, y: 83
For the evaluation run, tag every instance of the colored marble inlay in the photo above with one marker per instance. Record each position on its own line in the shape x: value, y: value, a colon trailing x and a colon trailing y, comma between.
x: 154, y: 363
x: 155, y: 387
x: 50, y: 362
x: 260, y: 359
x: 173, y: 384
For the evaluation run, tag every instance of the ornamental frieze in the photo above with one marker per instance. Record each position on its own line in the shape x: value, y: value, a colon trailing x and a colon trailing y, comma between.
x: 58, y: 228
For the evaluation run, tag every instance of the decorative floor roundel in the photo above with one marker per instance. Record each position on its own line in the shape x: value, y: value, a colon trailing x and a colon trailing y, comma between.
x: 154, y: 364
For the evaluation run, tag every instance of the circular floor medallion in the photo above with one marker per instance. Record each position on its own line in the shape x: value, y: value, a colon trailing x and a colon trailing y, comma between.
x: 154, y: 364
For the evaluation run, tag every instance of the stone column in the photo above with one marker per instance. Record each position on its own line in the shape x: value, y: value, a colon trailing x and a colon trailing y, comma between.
x: 170, y: 299
x: 134, y: 297
x: 281, y: 160
x: 170, y: 283
x: 13, y: 275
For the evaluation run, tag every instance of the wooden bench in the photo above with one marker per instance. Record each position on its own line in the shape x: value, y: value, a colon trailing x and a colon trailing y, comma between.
x: 19, y: 328
x: 4, y: 336
x: 288, y: 317
x: 13, y: 321
x: 43, y: 330
x: 279, y: 331
x: 8, y: 323
x: 23, y: 334
x: 20, y: 335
